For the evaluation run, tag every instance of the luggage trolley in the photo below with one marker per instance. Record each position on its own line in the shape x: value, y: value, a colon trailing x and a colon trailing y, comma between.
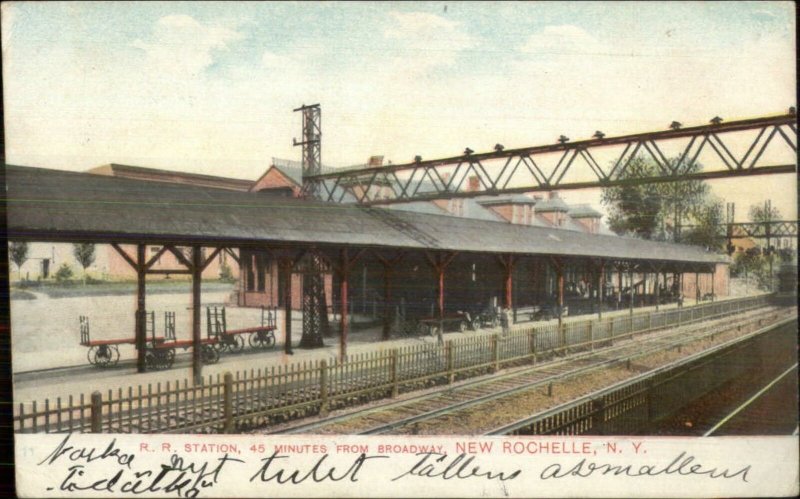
x: 161, y: 354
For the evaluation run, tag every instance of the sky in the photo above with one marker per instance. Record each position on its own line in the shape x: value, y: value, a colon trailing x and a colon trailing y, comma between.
x: 210, y: 87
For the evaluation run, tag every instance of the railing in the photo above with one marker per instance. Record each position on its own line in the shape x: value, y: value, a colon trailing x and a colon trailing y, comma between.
x: 247, y: 399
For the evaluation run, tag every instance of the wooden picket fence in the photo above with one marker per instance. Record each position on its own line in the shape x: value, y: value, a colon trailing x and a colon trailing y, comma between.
x: 239, y: 401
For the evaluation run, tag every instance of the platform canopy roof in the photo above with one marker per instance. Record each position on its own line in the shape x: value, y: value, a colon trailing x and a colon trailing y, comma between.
x: 54, y: 205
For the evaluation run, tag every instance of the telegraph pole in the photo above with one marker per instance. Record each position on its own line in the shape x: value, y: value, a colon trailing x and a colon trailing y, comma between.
x: 315, y: 309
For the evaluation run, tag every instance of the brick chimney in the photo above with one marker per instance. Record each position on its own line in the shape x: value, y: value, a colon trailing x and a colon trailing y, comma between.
x: 473, y: 183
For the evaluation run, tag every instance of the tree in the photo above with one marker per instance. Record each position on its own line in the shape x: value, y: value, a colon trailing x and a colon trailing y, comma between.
x: 18, y: 252
x: 764, y: 214
x: 84, y: 254
x: 64, y: 273
x: 635, y: 209
x: 708, y: 231
x: 656, y: 210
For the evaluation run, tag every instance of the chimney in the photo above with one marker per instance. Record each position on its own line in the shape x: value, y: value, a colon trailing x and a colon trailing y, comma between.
x: 375, y: 161
x: 473, y: 183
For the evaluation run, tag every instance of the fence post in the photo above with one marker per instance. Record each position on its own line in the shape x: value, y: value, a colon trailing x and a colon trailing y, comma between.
x: 495, y: 353
x: 562, y: 333
x: 598, y: 409
x: 448, y: 348
x: 228, y: 402
x: 591, y: 335
x: 323, y: 387
x: 611, y: 330
x: 97, y: 412
x: 394, y: 372
x: 532, y: 344
x: 649, y: 321
x: 630, y: 328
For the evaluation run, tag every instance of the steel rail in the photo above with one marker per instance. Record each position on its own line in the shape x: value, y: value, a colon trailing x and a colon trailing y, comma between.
x: 749, y: 401
x: 651, y: 337
x: 527, y: 421
x: 444, y: 411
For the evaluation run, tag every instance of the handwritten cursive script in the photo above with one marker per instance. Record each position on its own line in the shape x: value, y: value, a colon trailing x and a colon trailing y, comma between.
x: 681, y: 465
x: 458, y: 467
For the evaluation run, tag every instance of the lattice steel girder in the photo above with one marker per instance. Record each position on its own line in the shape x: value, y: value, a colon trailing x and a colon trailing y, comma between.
x: 524, y: 170
x: 763, y: 230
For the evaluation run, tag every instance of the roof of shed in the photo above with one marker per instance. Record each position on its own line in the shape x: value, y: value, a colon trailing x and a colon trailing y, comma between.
x: 51, y: 205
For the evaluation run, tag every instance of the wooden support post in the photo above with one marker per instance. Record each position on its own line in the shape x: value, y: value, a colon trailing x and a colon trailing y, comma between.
x: 619, y: 288
x: 228, y: 402
x: 713, y: 275
x: 440, y: 292
x: 560, y: 275
x: 591, y: 335
x: 96, y: 412
x: 141, y: 324
x: 632, y: 289
x: 658, y: 291
x: 697, y: 288
x: 344, y: 278
x: 197, y: 358
x: 643, y: 300
x: 387, y: 301
x: 508, y: 283
x: 601, y: 289
x: 286, y: 265
x: 323, y: 387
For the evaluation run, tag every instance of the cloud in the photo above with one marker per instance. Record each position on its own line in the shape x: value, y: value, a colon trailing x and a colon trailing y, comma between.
x: 180, y: 45
x: 424, y: 41
x: 562, y: 39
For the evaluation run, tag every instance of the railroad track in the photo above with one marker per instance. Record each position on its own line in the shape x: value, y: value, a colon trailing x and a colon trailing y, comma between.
x: 393, y: 416
x: 725, y: 424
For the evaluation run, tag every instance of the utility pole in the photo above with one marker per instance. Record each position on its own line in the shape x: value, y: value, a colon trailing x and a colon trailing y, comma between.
x: 315, y: 309
x: 312, y: 146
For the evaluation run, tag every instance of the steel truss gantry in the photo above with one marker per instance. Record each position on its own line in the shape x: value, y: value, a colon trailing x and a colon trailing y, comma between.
x: 573, y: 165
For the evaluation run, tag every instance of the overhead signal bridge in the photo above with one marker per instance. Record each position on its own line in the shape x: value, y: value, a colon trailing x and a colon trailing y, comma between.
x: 765, y: 145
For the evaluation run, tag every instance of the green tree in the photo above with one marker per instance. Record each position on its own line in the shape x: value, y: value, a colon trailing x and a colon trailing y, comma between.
x: 18, y: 253
x: 708, y: 230
x: 657, y: 210
x: 84, y: 254
x: 64, y: 273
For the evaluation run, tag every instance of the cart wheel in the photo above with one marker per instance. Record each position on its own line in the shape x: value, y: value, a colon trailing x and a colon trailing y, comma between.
x: 476, y: 324
x: 150, y: 360
x: 462, y: 326
x: 420, y: 328
x: 433, y: 330
x: 262, y: 339
x: 169, y: 358
x: 103, y: 356
x: 115, y: 356
x: 210, y: 355
x: 90, y: 354
x: 237, y: 344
